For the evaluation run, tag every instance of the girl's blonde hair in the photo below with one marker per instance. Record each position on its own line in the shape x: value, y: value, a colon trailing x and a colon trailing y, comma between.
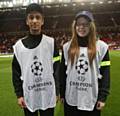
x: 74, y: 48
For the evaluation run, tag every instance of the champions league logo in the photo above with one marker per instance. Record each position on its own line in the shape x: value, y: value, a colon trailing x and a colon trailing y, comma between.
x: 37, y: 69
x: 81, y: 66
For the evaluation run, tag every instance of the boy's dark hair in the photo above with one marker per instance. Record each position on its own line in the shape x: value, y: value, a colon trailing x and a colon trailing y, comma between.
x: 34, y: 7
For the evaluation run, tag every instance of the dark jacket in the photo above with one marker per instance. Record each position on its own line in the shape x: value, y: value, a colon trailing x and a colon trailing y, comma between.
x: 30, y: 42
x: 104, y: 83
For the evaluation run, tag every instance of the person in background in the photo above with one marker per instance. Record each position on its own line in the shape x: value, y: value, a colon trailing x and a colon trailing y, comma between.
x: 85, y: 69
x: 35, y: 67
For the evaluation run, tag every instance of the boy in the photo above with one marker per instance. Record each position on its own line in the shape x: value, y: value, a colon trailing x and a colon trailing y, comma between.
x: 33, y: 68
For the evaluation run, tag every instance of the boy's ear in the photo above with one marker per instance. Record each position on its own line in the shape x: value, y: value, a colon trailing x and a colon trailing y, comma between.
x: 43, y: 21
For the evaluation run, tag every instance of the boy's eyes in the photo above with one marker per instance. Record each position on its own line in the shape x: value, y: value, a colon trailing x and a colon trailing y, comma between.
x: 36, y: 17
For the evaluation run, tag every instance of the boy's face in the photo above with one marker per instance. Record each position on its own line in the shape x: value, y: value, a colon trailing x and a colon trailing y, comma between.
x: 35, y: 21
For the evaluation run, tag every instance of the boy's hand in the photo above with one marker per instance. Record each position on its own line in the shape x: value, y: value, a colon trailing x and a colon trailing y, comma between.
x: 21, y: 102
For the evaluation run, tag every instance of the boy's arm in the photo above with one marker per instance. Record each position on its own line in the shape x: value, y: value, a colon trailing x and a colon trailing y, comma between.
x: 56, y: 66
x: 16, y: 73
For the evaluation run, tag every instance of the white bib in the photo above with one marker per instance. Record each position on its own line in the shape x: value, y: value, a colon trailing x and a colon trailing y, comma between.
x: 37, y: 74
x: 82, y: 79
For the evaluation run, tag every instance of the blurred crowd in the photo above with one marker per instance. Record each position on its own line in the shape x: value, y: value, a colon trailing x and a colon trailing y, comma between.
x: 8, y: 40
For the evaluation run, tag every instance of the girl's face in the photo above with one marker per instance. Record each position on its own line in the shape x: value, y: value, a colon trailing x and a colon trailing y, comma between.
x: 35, y: 21
x: 82, y: 27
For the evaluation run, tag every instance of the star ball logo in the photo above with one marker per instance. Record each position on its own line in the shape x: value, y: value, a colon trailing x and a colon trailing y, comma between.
x: 81, y: 66
x: 36, y: 68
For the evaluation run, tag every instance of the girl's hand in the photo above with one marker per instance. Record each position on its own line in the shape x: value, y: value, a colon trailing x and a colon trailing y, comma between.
x: 100, y: 105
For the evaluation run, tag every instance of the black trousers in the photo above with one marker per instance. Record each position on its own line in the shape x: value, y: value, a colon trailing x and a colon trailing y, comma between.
x: 48, y: 112
x: 73, y: 111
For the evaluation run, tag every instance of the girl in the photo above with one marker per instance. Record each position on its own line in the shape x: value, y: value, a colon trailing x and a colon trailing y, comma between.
x: 85, y: 69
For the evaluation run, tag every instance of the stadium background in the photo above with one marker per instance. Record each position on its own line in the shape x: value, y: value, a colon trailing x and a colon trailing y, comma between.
x: 59, y: 15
